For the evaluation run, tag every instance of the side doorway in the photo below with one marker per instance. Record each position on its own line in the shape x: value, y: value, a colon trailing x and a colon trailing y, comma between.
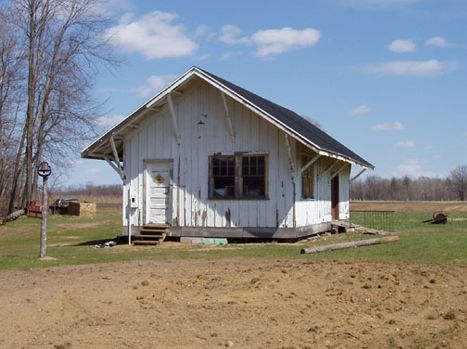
x: 158, y: 200
x: 335, y: 198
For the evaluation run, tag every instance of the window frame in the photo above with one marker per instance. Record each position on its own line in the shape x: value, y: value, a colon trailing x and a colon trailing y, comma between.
x: 306, y: 174
x: 239, y: 177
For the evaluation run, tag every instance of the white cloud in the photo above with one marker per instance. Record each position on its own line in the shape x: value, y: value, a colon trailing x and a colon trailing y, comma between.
x: 109, y: 120
x: 402, y: 46
x: 270, y: 42
x: 409, y: 168
x: 227, y: 55
x: 154, y: 84
x: 203, y: 57
x: 110, y: 7
x: 413, y: 168
x: 389, y: 126
x: 361, y: 109
x: 154, y: 36
x: 430, y: 67
x: 405, y: 144
x: 313, y: 121
x: 231, y: 35
x: 277, y: 41
x: 376, y: 4
x: 438, y: 41
x: 203, y: 31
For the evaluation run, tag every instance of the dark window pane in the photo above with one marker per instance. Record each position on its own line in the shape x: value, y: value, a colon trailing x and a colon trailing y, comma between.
x: 245, y: 166
x: 308, y: 183
x: 253, y: 177
x: 253, y: 187
x: 231, y: 167
x: 260, y: 170
x: 261, y: 161
x: 223, y: 177
x: 224, y: 187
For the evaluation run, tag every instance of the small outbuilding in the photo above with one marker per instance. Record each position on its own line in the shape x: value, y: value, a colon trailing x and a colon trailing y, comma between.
x: 207, y: 158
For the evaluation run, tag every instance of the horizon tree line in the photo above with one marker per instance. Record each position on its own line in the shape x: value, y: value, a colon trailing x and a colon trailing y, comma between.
x: 451, y: 188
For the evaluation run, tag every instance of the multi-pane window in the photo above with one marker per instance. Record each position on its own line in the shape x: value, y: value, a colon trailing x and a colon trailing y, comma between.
x: 223, y: 177
x: 238, y: 177
x: 308, y: 179
x: 253, y: 177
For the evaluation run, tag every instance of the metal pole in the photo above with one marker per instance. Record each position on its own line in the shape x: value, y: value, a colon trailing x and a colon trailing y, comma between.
x: 43, y: 252
x: 129, y: 213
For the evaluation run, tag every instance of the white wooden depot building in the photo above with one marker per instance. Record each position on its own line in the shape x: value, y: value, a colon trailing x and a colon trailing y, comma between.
x: 205, y: 157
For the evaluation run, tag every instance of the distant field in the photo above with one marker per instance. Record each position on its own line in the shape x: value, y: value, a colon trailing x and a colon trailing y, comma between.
x: 98, y: 199
x: 103, y: 202
x: 409, y: 206
x: 109, y: 202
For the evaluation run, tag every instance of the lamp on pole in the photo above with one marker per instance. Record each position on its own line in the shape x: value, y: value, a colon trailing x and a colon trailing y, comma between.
x: 44, y: 171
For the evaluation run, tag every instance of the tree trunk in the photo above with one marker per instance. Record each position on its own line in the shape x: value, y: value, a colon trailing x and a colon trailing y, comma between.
x: 32, y: 80
x: 16, y: 174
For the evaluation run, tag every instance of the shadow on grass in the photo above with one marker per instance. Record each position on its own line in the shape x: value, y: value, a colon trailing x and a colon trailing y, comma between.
x: 119, y: 240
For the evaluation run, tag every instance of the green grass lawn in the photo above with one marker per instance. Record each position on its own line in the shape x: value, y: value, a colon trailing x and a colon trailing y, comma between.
x: 69, y: 240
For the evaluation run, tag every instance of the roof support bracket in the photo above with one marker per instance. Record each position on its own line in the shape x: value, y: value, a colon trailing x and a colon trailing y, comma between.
x: 358, y: 175
x: 117, y: 163
x: 289, y: 155
x: 174, y: 118
x: 309, y: 163
x: 338, y: 171
x: 228, y: 117
x: 114, y: 167
x: 330, y: 167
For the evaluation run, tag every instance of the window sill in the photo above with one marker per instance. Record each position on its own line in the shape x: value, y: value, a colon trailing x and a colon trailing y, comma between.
x: 238, y: 199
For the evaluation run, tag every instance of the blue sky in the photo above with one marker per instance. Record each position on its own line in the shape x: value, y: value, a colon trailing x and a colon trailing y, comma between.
x: 385, y: 77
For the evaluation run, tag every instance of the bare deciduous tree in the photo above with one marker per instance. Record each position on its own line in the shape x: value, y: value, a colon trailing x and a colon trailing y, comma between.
x: 403, y: 189
x: 57, y: 48
x: 458, y: 181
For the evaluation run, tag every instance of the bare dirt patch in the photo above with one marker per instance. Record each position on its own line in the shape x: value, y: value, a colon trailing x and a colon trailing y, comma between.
x: 241, y: 303
x: 409, y: 206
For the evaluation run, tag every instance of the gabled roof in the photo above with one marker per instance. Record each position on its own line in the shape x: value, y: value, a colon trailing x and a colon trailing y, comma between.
x: 286, y: 119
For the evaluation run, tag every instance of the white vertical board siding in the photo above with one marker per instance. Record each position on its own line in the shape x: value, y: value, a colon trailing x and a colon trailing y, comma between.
x: 344, y: 190
x: 204, y: 131
x: 317, y: 210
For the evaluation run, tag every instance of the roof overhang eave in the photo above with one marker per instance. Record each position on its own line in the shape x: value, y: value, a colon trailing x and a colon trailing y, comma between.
x: 193, y: 71
x: 85, y: 153
x: 280, y: 124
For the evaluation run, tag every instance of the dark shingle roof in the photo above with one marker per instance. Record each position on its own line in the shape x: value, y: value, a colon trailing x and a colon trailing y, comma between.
x: 294, y: 122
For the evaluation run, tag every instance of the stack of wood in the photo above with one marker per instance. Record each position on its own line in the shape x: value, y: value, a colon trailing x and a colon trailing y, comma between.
x: 87, y: 209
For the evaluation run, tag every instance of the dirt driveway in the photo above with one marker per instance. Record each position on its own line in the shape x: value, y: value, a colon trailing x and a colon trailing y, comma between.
x: 239, y: 303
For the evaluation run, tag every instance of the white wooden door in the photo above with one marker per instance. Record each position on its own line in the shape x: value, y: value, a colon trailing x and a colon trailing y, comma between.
x: 157, y: 192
